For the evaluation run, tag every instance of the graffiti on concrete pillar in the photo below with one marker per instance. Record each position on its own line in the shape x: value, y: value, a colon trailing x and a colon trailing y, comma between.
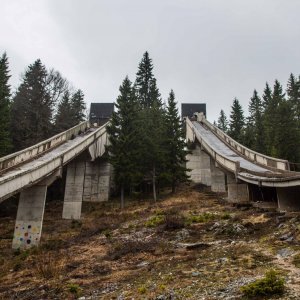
x: 27, y: 234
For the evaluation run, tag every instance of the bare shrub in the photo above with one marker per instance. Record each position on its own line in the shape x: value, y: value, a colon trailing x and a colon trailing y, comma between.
x: 174, y: 221
x: 122, y: 248
x: 48, y: 265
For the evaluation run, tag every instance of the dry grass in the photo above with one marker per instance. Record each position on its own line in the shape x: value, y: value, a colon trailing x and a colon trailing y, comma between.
x: 109, y: 252
x: 49, y: 265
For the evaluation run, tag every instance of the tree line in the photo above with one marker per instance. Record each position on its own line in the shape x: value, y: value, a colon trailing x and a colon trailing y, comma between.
x: 43, y: 104
x: 147, y: 145
x: 272, y: 126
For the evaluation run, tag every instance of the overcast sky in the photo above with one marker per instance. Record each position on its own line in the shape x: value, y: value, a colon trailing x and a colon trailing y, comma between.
x: 206, y: 50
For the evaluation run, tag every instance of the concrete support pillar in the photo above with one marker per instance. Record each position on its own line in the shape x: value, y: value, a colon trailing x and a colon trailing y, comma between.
x: 237, y: 192
x: 97, y: 181
x: 30, y: 216
x: 218, y: 184
x: 288, y: 198
x: 74, y: 190
x: 199, y: 163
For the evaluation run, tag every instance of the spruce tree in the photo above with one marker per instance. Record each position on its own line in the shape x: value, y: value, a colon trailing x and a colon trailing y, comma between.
x: 222, y: 121
x: 32, y: 108
x: 175, y: 144
x: 78, y: 107
x: 267, y: 96
x: 144, y: 83
x: 153, y: 152
x: 271, y: 120
x: 5, y: 137
x: 64, y: 118
x: 293, y: 93
x: 287, y: 133
x: 237, y: 121
x: 124, y: 139
x: 255, y: 124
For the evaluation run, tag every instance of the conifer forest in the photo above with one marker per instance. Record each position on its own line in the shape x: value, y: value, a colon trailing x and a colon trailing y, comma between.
x: 147, y: 144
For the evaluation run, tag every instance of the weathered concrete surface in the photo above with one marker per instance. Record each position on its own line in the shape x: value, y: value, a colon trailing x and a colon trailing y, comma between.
x: 199, y: 163
x: 288, y: 198
x: 74, y: 190
x: 217, y: 179
x: 237, y: 192
x: 97, y: 181
x: 30, y: 216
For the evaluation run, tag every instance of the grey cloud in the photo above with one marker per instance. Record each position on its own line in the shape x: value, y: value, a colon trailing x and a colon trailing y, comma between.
x: 207, y: 51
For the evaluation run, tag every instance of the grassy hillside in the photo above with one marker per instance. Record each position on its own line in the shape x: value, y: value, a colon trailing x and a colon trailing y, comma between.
x: 191, y: 245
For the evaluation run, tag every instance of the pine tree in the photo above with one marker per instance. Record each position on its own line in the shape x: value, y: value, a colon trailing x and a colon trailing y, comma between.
x: 267, y: 96
x: 78, y: 107
x: 222, y: 121
x: 175, y: 144
x: 293, y: 93
x: 64, y: 118
x: 271, y: 120
x: 5, y: 137
x: 32, y: 108
x: 153, y: 152
x: 255, y: 124
x: 237, y: 121
x: 124, y: 139
x: 144, y: 83
x: 287, y: 135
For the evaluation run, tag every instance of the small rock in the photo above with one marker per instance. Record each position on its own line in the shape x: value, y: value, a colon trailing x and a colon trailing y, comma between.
x: 143, y: 264
x: 285, y: 236
x: 195, y: 274
x: 280, y: 219
x: 290, y: 239
x: 222, y: 260
x: 285, y: 252
x: 215, y: 226
x: 182, y: 235
x: 81, y: 298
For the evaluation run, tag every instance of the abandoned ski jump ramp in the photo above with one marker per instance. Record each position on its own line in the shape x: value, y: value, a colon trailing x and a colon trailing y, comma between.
x: 30, y: 172
x: 225, y: 165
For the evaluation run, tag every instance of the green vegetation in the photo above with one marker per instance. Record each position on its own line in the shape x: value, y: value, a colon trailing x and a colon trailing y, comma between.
x: 142, y: 289
x: 296, y: 260
x: 5, y: 134
x: 75, y: 289
x: 271, y: 284
x: 42, y: 105
x: 203, y: 218
x: 155, y: 221
x: 273, y: 124
x: 147, y: 147
x: 236, y: 121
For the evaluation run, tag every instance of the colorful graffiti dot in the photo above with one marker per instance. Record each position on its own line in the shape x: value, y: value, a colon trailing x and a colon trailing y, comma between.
x: 29, y: 226
x: 28, y: 241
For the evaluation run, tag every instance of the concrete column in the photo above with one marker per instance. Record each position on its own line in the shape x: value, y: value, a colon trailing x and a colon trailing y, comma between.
x: 217, y: 179
x: 199, y: 163
x: 97, y: 181
x: 288, y: 198
x: 30, y: 216
x: 74, y: 190
x: 237, y: 192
